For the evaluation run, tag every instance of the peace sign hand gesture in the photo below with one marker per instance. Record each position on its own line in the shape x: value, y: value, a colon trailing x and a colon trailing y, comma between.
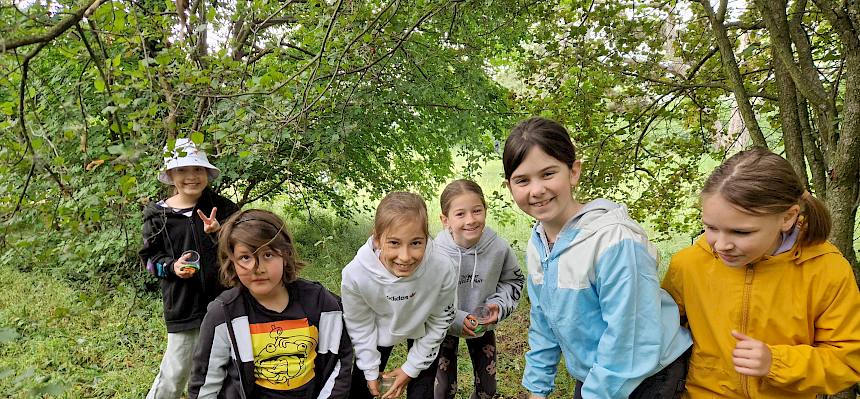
x: 210, y: 224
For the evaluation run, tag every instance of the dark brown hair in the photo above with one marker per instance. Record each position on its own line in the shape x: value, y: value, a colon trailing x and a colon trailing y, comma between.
x: 457, y: 188
x: 546, y: 134
x: 763, y: 183
x: 256, y: 228
x: 399, y: 207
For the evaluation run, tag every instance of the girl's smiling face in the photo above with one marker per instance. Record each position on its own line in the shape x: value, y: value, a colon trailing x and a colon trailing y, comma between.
x: 542, y: 187
x: 465, y: 219
x: 740, y: 238
x: 190, y: 181
x: 402, y: 247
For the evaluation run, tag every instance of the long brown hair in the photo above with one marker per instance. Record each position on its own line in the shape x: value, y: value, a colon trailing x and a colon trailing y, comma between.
x: 256, y: 228
x: 763, y: 183
x: 457, y: 188
x: 399, y: 207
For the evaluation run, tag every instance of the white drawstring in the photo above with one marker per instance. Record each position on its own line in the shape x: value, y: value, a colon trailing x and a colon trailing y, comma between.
x: 474, y: 269
x: 459, y: 262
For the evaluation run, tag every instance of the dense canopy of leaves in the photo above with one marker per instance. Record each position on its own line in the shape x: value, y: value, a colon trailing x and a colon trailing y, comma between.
x: 328, y: 101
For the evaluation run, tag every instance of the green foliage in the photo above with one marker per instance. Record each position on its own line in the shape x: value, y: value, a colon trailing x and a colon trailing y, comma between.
x: 577, y: 65
x: 319, y: 101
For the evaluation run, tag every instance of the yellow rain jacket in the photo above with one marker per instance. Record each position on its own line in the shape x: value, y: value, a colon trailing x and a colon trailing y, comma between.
x: 803, y: 303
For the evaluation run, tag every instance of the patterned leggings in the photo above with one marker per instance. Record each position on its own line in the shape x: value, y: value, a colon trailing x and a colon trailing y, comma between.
x: 482, y: 350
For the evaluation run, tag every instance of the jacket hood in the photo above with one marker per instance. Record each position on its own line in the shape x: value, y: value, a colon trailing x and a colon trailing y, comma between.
x: 481, y: 252
x: 369, y: 261
x: 596, y: 216
x: 152, y: 210
x: 445, y: 242
x: 207, y: 200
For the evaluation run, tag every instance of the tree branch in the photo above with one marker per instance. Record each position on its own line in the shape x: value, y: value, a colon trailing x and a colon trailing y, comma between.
x: 53, y: 33
x: 732, y: 71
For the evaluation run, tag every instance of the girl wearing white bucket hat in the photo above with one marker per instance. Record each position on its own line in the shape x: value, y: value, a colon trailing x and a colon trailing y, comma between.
x: 173, y: 229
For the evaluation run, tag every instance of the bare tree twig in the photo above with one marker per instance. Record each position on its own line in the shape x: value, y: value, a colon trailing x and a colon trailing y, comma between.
x: 57, y: 30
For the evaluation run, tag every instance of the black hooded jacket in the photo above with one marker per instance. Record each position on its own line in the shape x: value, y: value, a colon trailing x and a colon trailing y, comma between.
x: 166, y: 235
x: 224, y: 358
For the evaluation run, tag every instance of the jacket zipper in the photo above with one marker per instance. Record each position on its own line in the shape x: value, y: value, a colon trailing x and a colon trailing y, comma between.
x: 197, y: 248
x: 745, y: 310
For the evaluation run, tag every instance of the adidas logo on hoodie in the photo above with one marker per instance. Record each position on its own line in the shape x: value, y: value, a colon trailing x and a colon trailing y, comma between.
x: 400, y: 297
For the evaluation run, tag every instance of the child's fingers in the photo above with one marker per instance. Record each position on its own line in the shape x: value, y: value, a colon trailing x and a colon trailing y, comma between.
x: 746, y: 362
x: 212, y: 214
x: 469, y: 325
x: 743, y: 354
x: 750, y: 345
x: 184, y: 273
x: 393, y: 392
x: 201, y: 214
x: 741, y: 337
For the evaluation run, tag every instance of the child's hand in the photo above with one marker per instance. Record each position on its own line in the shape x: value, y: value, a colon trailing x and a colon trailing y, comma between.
x: 469, y: 325
x: 373, y: 387
x: 401, y: 380
x: 751, y: 356
x: 210, y: 224
x: 494, y: 313
x: 181, y: 270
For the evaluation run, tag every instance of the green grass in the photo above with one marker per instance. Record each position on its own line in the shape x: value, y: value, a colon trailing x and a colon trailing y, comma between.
x: 91, y: 342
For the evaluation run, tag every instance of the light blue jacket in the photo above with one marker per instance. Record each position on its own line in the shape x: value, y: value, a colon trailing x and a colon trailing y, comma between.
x: 596, y: 299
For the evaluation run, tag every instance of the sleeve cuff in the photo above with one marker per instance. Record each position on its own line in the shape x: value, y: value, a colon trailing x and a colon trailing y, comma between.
x: 410, y: 370
x: 371, y: 375
x: 777, y: 363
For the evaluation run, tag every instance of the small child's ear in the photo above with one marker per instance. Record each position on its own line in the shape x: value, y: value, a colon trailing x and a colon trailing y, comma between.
x: 444, y: 220
x: 789, y: 218
x: 375, y: 240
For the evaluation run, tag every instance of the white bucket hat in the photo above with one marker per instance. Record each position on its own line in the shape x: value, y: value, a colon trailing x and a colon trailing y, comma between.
x: 185, y: 153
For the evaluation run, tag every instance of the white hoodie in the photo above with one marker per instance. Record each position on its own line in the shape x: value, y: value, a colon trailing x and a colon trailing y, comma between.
x: 381, y: 309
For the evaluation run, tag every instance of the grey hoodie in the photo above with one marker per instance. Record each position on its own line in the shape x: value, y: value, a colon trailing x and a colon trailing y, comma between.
x: 488, y: 272
x: 381, y: 309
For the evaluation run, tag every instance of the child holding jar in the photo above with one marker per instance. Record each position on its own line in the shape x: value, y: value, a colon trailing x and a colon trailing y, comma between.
x: 176, y: 231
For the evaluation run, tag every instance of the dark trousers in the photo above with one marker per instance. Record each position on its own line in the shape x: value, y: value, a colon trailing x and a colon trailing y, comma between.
x: 482, y: 351
x: 666, y: 384
x: 420, y: 387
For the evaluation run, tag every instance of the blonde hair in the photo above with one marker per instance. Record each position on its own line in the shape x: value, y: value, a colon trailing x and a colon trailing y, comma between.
x: 399, y: 207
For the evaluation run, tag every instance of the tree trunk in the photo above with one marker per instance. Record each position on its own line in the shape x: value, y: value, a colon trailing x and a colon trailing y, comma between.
x: 844, y: 188
x: 790, y: 120
x: 732, y: 71
x: 812, y: 148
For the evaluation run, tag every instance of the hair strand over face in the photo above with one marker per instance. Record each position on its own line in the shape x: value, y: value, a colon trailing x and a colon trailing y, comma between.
x: 256, y: 228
